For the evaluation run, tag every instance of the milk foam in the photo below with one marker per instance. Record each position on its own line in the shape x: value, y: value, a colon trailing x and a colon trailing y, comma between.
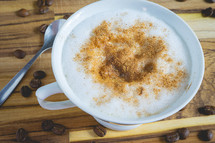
x: 86, y: 89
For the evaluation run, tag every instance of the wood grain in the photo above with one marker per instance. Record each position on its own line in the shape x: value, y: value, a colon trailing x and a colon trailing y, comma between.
x: 22, y: 33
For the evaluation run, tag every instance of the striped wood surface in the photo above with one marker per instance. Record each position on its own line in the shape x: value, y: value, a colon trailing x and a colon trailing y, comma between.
x: 22, y: 33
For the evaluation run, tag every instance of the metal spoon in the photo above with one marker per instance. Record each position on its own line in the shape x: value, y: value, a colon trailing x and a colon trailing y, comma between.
x: 49, y: 37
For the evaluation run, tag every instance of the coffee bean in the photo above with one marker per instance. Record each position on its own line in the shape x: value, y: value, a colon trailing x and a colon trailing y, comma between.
x: 66, y: 16
x: 207, y: 12
x: 181, y: 0
x: 99, y: 130
x: 205, y: 135
x: 172, y: 137
x: 23, y: 12
x: 49, y: 2
x: 35, y: 83
x: 21, y: 135
x: 19, y: 54
x: 47, y: 125
x: 58, y: 129
x: 40, y: 3
x: 43, y: 9
x: 25, y: 91
x: 183, y: 133
x: 39, y: 74
x: 207, y: 110
x: 43, y: 28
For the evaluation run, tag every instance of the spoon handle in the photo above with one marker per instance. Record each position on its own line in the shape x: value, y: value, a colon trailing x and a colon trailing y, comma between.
x: 7, y: 90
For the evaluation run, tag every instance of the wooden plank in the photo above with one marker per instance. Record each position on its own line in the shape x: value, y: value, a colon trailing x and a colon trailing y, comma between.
x: 203, y: 27
x: 190, y: 6
x: 155, y: 138
x: 150, y: 128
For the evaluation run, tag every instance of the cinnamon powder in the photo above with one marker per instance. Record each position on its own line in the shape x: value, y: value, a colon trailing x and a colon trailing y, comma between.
x: 118, y: 57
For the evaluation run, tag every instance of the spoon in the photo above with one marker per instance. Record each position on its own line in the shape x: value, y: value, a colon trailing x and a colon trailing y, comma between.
x: 49, y: 37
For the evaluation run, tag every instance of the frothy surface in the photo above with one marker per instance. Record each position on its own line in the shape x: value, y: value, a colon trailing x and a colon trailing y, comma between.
x: 90, y: 92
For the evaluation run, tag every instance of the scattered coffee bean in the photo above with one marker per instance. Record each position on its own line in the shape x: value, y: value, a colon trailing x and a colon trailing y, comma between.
x: 21, y: 135
x: 99, y: 130
x: 207, y: 110
x: 40, y: 3
x: 172, y: 137
x: 47, y: 125
x: 43, y: 28
x: 183, y: 133
x: 58, y: 129
x: 19, y: 54
x: 23, y: 12
x: 207, y: 12
x: 35, y: 83
x: 205, y: 135
x: 43, y: 9
x: 25, y: 91
x: 66, y: 16
x: 39, y: 74
x: 181, y: 0
x: 49, y: 2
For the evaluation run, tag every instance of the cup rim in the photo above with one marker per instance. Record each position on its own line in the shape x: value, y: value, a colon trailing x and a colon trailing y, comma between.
x: 59, y: 75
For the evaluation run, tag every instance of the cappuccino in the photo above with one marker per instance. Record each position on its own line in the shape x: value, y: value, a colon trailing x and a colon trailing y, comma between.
x: 126, y: 64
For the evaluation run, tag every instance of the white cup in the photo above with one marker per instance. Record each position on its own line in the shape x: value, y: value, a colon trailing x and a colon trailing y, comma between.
x: 61, y: 85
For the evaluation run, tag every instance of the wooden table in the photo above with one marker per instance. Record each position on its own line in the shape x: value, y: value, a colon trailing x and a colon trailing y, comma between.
x: 19, y: 112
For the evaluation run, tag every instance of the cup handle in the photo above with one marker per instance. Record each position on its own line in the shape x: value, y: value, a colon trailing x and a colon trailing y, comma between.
x: 45, y: 91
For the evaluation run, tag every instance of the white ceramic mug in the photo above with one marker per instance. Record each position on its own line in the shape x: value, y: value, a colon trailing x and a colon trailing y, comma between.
x: 61, y: 85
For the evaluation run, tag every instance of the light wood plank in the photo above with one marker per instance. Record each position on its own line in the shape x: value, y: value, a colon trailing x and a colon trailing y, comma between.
x: 149, y: 128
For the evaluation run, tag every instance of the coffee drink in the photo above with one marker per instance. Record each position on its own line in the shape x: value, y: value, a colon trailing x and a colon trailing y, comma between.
x: 126, y: 64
